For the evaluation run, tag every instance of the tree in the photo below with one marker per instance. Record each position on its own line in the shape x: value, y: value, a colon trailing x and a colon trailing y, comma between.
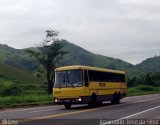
x: 48, y: 54
x: 149, y: 79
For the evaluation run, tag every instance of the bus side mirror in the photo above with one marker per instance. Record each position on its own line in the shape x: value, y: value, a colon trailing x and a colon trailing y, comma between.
x: 86, y: 81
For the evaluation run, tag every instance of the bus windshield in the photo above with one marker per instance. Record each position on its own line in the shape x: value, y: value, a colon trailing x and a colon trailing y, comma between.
x: 68, y: 78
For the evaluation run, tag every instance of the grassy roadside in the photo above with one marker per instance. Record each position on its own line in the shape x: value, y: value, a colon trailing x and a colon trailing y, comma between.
x: 143, y: 90
x: 9, y: 101
x: 12, y: 93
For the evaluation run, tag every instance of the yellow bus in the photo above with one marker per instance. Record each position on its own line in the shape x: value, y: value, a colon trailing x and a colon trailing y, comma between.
x: 88, y: 85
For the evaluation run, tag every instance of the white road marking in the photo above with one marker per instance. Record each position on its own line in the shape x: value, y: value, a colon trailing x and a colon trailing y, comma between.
x: 114, y: 121
x: 141, y: 112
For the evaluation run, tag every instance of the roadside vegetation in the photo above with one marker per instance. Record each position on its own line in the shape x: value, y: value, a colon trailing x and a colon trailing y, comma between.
x: 20, y: 87
x: 9, y: 101
x: 142, y: 90
x: 147, y: 83
x: 16, y: 93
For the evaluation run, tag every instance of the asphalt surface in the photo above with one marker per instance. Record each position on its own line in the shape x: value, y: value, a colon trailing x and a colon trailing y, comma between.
x: 144, y: 110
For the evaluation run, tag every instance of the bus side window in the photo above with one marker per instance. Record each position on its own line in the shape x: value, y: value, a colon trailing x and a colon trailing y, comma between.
x: 86, y: 78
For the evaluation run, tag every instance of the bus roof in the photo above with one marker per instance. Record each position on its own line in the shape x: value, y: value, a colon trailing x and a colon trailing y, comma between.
x: 88, y: 68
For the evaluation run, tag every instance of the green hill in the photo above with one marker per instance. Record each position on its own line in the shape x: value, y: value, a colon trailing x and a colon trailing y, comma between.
x: 17, y: 66
x: 76, y: 56
x: 150, y: 64
x: 17, y: 58
x: 10, y: 73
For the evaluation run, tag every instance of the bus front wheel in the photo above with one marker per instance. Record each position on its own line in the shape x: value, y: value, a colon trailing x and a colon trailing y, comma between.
x: 93, y: 102
x: 67, y: 106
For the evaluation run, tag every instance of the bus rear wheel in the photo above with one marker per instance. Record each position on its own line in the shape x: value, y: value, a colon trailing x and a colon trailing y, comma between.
x: 116, y: 98
x: 67, y: 106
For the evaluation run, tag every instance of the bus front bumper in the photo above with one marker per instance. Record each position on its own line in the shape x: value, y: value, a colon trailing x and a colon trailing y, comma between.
x: 80, y: 100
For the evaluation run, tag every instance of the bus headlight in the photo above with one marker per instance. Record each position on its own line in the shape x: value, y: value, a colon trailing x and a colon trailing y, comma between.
x: 56, y: 100
x: 79, y: 99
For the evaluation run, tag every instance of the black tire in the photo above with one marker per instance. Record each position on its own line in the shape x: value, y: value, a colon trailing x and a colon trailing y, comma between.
x: 67, y: 106
x: 113, y: 101
x: 99, y: 103
x: 116, y: 98
x: 93, y: 102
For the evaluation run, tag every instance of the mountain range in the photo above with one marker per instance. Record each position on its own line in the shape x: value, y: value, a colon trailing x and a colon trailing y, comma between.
x: 19, y: 60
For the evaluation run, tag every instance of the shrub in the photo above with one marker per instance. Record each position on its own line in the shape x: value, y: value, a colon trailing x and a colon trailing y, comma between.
x: 11, y: 90
x: 145, y: 88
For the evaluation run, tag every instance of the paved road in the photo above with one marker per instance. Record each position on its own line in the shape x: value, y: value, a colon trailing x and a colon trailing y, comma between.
x: 146, y: 108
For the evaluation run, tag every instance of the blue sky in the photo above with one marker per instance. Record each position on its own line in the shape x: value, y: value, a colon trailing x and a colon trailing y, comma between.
x: 125, y: 29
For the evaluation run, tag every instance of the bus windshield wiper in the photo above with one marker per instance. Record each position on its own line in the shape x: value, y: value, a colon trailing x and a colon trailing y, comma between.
x: 71, y: 84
